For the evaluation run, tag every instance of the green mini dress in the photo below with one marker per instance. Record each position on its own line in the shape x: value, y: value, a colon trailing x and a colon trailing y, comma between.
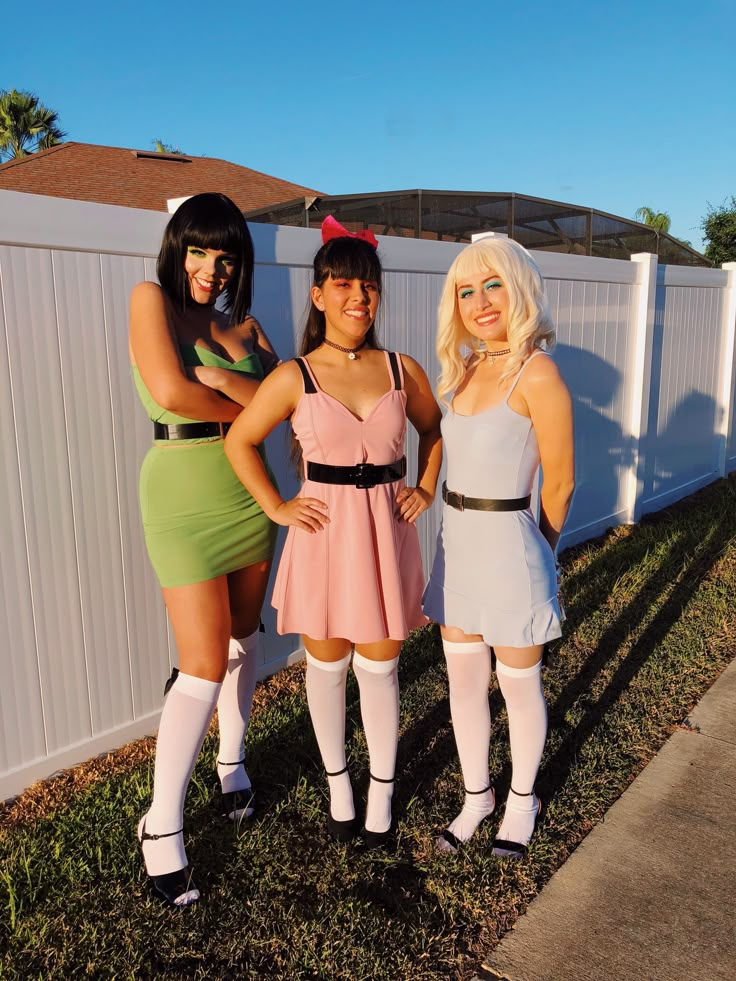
x: 199, y: 522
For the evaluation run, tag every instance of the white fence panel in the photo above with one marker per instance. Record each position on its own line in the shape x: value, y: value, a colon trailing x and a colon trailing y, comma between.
x: 43, y: 458
x: 85, y: 641
x: 144, y: 645
x: 593, y: 350
x: 93, y: 473
x: 728, y: 371
x: 683, y: 442
x: 22, y: 731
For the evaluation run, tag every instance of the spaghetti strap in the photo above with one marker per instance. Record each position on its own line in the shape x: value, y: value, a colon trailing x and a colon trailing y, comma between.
x: 515, y: 382
x: 310, y: 385
x: 397, y: 373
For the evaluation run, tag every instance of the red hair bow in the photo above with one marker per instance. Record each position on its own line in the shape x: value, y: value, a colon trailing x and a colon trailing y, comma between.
x: 331, y: 228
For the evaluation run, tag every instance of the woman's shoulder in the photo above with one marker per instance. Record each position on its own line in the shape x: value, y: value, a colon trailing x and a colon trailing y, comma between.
x: 540, y: 364
x: 410, y: 365
x: 147, y: 290
x: 286, y: 374
x: 148, y: 297
x: 247, y: 328
x: 540, y: 371
x: 150, y: 303
x: 287, y: 368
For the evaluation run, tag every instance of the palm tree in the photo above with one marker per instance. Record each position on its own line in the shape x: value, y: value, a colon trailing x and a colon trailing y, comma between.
x: 161, y: 147
x: 26, y: 125
x: 655, y: 219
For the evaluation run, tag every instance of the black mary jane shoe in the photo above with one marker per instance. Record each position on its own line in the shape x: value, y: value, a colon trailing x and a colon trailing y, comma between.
x: 238, y: 805
x: 175, y: 889
x: 515, y: 850
x: 379, y: 839
x: 340, y: 831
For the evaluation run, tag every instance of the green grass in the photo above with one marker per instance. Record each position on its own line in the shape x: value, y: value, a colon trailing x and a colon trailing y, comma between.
x: 650, y: 622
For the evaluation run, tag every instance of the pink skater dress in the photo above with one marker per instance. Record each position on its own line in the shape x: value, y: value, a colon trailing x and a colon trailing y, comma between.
x: 361, y: 577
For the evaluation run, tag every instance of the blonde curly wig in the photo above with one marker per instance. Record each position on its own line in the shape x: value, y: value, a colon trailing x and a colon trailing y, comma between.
x: 530, y: 324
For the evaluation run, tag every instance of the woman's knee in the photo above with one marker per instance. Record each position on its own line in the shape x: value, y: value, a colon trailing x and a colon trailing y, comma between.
x: 208, y: 664
x: 457, y: 636
x: 244, y: 624
x: 383, y: 650
x: 519, y: 657
x: 334, y: 649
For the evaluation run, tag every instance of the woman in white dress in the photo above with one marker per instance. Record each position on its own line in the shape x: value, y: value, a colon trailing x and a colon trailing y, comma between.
x: 494, y: 578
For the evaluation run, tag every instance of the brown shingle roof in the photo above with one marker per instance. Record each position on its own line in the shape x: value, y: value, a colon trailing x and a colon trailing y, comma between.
x: 139, y: 178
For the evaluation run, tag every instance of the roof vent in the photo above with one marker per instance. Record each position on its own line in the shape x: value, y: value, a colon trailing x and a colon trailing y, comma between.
x: 155, y: 155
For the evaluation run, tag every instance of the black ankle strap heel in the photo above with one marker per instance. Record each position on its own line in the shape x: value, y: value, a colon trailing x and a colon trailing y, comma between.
x: 455, y: 844
x: 337, y: 773
x: 173, y: 888
x: 340, y: 831
x: 503, y: 847
x: 377, y: 839
x: 145, y: 836
x: 238, y: 804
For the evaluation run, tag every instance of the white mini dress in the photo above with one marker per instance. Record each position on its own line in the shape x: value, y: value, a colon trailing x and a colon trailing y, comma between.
x: 493, y: 572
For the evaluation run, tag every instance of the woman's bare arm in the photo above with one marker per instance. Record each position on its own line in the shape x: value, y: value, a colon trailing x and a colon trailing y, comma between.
x: 155, y: 353
x: 550, y: 409
x: 262, y: 346
x: 234, y: 385
x: 274, y: 402
x: 424, y: 414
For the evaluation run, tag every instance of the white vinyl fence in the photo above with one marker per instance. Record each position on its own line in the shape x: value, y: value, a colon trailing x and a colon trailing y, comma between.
x: 648, y: 353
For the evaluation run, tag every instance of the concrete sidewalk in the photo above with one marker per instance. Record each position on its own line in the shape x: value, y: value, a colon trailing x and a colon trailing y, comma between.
x: 651, y: 892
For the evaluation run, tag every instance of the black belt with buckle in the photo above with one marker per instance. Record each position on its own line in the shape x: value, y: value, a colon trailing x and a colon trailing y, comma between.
x: 190, y: 430
x: 462, y: 503
x: 361, y: 475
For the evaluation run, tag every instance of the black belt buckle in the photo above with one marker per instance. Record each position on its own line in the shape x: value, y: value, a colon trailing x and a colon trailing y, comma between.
x: 452, y: 498
x: 363, y: 474
x: 456, y: 500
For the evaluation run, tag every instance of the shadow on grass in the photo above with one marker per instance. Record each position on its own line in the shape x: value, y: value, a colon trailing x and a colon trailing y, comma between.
x: 688, y: 560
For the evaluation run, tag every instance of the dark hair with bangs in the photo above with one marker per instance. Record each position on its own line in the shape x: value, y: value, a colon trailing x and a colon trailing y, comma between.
x: 341, y: 258
x: 208, y: 221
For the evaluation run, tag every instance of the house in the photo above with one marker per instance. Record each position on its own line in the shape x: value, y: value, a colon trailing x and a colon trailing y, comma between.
x: 140, y: 178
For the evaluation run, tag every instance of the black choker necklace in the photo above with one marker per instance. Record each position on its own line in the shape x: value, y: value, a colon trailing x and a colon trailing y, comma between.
x: 350, y: 351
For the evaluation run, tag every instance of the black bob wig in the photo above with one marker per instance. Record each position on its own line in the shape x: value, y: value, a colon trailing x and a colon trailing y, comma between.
x: 208, y: 221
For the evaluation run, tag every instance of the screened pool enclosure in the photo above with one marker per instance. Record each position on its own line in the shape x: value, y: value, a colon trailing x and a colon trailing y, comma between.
x: 453, y: 216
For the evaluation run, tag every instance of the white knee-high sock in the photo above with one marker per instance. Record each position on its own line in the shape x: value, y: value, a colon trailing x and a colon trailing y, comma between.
x: 469, y: 675
x: 326, y: 700
x: 187, y: 712
x: 527, y: 711
x: 233, y: 711
x: 379, y: 709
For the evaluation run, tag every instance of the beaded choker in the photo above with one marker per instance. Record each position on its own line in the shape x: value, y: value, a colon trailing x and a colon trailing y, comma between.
x: 497, y: 354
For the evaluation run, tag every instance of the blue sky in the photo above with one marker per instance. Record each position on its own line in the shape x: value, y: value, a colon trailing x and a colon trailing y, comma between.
x: 611, y: 106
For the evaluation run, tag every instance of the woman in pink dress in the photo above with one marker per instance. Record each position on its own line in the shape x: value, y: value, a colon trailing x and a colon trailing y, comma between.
x: 350, y: 577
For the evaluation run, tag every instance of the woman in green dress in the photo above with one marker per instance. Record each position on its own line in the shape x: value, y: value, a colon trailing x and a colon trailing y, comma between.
x: 196, y: 365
